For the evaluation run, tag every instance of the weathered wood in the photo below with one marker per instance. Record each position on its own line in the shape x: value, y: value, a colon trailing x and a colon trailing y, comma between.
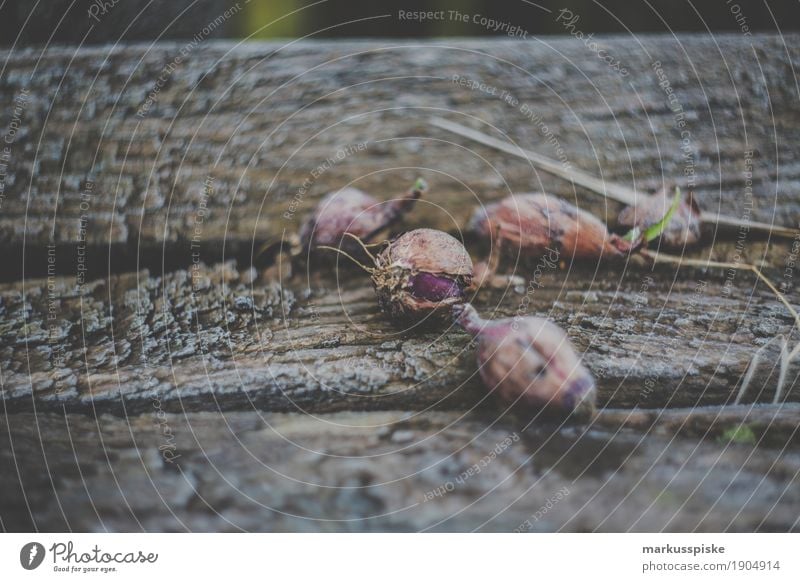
x: 293, y: 403
x: 380, y: 471
x: 261, y: 120
x: 775, y: 425
x: 219, y: 338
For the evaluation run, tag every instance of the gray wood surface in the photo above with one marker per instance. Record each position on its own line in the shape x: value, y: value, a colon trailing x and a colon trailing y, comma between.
x: 259, y: 118
x: 291, y: 402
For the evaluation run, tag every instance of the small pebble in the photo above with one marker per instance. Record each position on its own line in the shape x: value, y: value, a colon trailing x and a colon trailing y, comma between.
x: 402, y: 436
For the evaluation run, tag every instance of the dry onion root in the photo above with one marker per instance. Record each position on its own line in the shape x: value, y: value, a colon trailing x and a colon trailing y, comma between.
x: 485, y: 272
x: 529, y: 361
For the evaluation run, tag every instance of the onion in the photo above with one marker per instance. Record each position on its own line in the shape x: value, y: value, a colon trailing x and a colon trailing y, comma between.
x: 530, y: 361
x: 537, y: 224
x: 421, y: 273
x: 356, y: 213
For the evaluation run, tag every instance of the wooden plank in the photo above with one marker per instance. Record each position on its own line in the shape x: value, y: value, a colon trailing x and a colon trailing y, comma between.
x: 380, y: 471
x: 258, y: 121
x: 216, y: 337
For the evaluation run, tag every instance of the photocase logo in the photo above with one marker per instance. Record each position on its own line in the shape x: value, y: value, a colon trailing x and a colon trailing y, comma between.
x: 31, y: 555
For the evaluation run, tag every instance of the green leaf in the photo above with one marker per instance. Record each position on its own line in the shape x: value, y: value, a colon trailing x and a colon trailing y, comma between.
x: 632, y: 234
x: 654, y: 231
x: 741, y: 434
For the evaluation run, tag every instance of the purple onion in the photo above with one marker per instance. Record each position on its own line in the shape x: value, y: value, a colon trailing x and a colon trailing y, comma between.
x: 529, y: 361
x: 434, y: 287
x: 354, y: 212
x: 421, y: 274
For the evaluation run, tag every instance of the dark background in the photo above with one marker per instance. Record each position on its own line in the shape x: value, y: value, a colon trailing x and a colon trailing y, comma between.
x: 67, y: 21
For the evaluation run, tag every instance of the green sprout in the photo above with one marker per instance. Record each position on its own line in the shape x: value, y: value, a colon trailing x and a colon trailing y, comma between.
x: 654, y: 231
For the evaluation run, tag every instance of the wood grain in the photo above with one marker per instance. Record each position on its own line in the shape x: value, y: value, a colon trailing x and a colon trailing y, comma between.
x: 147, y: 323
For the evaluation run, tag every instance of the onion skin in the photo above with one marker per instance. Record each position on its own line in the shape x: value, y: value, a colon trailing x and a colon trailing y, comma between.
x: 536, y: 224
x: 434, y: 287
x: 683, y: 230
x: 355, y: 212
x: 529, y: 361
x: 420, y: 275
